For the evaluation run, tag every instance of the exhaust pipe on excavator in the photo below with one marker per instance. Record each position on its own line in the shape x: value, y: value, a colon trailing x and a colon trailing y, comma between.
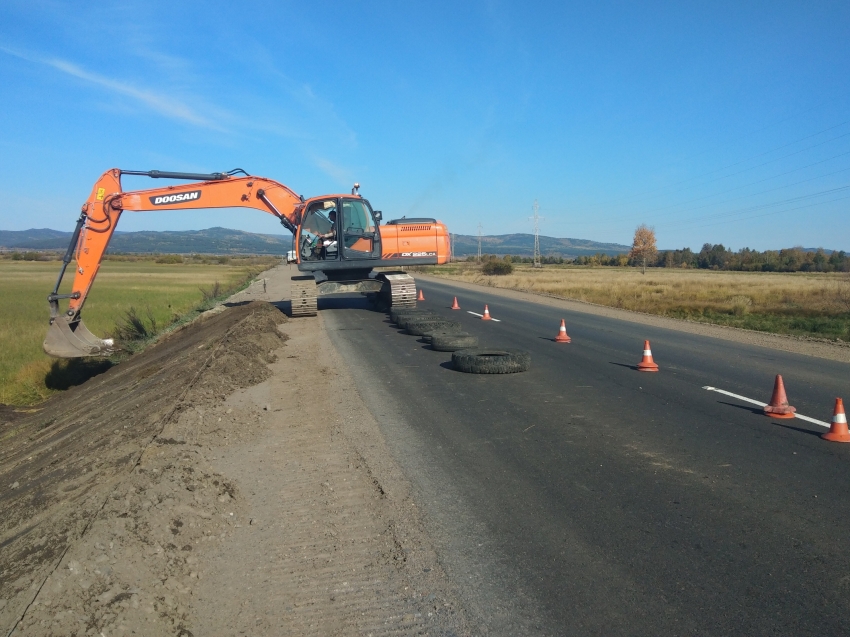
x: 68, y: 337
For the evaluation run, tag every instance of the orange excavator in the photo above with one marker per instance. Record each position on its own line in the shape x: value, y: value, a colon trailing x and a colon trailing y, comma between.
x: 338, y: 240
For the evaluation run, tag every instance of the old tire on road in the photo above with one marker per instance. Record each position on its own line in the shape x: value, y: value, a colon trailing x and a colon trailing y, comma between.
x: 403, y: 313
x: 404, y: 321
x: 397, y: 311
x: 442, y: 332
x: 453, y: 342
x: 483, y: 360
x: 420, y: 328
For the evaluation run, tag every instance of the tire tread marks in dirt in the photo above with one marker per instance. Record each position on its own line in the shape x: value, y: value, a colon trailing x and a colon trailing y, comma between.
x: 78, y: 469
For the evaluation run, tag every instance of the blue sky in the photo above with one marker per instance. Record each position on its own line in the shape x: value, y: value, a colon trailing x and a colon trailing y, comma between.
x: 724, y: 123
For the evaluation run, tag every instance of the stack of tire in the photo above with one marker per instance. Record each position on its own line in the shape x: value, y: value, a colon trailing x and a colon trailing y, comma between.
x: 446, y: 335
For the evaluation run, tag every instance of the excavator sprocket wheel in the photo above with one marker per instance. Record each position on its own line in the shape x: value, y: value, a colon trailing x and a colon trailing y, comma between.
x: 303, y: 295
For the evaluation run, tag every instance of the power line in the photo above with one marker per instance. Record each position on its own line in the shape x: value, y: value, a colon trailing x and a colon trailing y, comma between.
x: 796, y: 152
x: 769, y: 126
x: 776, y: 212
x: 760, y: 181
x: 767, y: 152
x: 732, y: 213
x: 787, y: 172
x: 761, y: 192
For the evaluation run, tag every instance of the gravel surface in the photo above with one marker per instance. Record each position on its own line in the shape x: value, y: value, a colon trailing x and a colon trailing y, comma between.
x: 228, y: 480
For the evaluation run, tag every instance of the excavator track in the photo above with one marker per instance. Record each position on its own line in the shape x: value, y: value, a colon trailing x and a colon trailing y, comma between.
x: 303, y: 295
x: 399, y: 289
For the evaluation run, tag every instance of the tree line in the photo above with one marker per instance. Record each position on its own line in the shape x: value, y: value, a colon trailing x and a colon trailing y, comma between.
x: 710, y: 257
x: 718, y: 257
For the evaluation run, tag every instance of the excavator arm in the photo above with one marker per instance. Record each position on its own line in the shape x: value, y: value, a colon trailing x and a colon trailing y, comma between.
x: 68, y: 336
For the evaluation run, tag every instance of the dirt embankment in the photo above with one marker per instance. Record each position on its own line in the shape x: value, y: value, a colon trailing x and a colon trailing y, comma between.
x: 226, y: 481
x: 79, y: 459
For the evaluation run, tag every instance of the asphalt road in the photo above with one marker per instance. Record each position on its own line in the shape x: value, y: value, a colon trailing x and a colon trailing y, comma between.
x: 586, y: 498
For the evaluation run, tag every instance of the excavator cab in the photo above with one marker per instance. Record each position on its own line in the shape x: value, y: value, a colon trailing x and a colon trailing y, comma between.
x: 335, y: 229
x: 318, y: 233
x: 360, y: 237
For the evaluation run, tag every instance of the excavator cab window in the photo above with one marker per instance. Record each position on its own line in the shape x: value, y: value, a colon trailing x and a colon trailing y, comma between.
x: 318, y: 236
x: 360, y: 238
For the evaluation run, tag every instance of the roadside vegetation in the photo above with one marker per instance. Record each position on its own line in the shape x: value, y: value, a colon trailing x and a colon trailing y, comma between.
x: 134, y: 299
x: 710, y: 257
x: 811, y: 304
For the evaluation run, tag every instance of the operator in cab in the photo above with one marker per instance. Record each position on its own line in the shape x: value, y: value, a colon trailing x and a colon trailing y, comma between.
x: 328, y: 239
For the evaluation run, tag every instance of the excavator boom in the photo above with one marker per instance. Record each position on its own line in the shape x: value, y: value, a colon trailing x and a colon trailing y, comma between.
x: 68, y: 336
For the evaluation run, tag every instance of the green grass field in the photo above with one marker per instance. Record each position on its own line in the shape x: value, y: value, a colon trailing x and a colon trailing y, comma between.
x: 163, y: 291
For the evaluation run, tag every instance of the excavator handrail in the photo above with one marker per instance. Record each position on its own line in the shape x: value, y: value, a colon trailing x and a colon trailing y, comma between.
x: 67, y: 336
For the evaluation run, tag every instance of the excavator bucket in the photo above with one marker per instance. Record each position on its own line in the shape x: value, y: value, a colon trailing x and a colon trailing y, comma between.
x: 74, y: 340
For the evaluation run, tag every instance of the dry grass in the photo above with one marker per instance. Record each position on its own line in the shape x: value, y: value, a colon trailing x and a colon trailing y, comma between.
x: 813, y: 304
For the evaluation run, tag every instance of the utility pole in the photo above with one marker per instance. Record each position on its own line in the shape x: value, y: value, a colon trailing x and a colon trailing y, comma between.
x: 452, y: 247
x: 479, y: 242
x: 537, y: 219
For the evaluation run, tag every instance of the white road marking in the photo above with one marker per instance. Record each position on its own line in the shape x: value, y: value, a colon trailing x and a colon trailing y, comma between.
x: 820, y: 423
x: 477, y: 314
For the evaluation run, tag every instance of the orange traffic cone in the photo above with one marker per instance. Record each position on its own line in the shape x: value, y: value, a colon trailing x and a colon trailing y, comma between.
x: 779, y: 407
x: 838, y: 432
x: 455, y: 306
x: 421, y: 296
x: 562, y: 336
x: 486, y: 316
x: 647, y: 364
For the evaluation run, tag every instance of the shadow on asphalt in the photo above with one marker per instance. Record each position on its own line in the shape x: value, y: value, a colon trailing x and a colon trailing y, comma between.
x: 759, y: 412
x: 800, y: 429
x: 754, y: 410
x: 633, y: 367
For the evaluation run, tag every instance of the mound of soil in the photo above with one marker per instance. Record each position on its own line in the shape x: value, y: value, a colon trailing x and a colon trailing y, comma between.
x: 79, y: 459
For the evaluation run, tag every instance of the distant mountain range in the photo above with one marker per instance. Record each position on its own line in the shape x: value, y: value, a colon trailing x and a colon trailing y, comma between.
x: 523, y: 245
x: 227, y: 241
x: 34, y: 238
x: 210, y: 241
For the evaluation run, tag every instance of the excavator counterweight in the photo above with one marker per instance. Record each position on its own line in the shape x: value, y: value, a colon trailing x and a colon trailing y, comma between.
x: 335, y: 252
